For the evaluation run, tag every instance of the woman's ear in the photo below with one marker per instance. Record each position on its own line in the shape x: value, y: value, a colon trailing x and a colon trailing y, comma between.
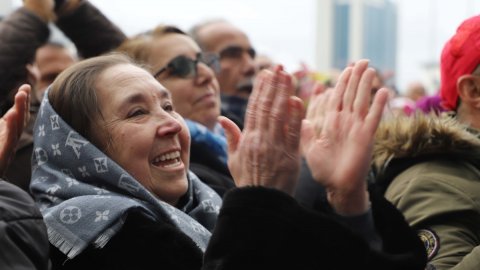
x: 468, y: 87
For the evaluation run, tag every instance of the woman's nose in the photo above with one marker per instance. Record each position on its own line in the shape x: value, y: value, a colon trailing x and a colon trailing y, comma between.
x: 169, y: 126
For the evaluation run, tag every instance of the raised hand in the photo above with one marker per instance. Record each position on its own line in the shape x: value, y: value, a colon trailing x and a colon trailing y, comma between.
x: 337, y: 138
x: 267, y: 152
x: 12, y: 124
x: 42, y: 8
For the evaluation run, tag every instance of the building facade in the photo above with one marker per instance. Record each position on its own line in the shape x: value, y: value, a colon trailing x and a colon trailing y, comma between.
x: 348, y: 30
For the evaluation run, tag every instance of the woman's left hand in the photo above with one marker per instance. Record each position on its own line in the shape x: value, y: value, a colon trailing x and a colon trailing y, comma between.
x: 267, y: 152
x: 338, y: 136
x: 12, y: 124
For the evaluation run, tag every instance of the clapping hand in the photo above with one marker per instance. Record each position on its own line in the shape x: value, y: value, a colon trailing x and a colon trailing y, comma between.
x: 338, y: 134
x: 12, y: 124
x: 267, y: 152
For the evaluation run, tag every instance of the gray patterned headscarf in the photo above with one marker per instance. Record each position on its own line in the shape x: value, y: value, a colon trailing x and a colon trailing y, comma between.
x: 85, y: 196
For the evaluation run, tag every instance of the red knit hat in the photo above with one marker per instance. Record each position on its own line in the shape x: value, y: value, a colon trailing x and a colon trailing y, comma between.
x: 460, y: 56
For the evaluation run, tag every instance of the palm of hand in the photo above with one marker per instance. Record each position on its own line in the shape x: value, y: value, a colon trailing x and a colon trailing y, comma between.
x: 8, y: 140
x: 337, y: 137
x: 344, y: 141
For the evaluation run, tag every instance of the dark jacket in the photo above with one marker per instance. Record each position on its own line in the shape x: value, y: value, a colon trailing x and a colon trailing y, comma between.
x: 23, y: 235
x: 258, y: 228
x: 210, y: 169
x: 92, y: 33
x: 21, y: 34
x: 429, y: 168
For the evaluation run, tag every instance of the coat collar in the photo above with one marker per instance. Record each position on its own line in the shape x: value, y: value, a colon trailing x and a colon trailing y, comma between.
x: 423, y: 136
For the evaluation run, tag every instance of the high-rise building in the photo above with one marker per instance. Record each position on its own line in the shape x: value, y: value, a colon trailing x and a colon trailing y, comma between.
x: 348, y: 30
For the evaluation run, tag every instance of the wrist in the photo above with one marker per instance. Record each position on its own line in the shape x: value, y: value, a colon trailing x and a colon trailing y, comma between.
x: 349, y: 203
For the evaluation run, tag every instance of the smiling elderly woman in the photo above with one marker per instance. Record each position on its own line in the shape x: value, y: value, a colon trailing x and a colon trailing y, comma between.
x: 178, y: 63
x: 110, y: 177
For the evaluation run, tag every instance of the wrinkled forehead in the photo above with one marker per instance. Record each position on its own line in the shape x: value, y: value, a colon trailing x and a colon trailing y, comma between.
x: 124, y: 79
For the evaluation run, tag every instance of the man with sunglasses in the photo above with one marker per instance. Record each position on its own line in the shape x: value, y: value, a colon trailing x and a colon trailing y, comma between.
x: 237, y: 67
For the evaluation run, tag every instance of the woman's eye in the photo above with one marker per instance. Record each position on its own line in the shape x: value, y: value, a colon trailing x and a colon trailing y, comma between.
x: 136, y: 113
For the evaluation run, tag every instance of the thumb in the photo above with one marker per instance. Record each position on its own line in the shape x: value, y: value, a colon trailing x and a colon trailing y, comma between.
x: 307, y: 136
x: 232, y: 132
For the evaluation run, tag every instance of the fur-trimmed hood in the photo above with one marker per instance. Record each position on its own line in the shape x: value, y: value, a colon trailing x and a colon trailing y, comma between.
x: 422, y: 136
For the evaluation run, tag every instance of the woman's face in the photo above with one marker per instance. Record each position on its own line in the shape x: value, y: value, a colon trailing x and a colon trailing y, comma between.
x: 141, y: 131
x: 196, y: 98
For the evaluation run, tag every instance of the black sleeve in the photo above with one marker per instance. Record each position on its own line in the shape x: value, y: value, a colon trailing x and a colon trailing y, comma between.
x: 260, y: 228
x: 23, y: 235
x: 21, y: 33
x: 140, y: 244
x: 90, y: 30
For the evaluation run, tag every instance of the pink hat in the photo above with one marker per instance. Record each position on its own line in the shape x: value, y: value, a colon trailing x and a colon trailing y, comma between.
x: 460, y: 56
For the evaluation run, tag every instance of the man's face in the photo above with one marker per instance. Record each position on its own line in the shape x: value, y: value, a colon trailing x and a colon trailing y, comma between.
x: 50, y: 61
x: 237, y: 67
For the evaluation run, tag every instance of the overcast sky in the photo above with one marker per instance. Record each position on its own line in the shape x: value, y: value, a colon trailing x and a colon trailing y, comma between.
x: 285, y: 29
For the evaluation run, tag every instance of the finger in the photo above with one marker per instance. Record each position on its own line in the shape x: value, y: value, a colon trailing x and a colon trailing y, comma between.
x: 318, y: 89
x: 296, y: 114
x: 253, y: 100
x: 272, y: 91
x: 376, y: 110
x: 319, y: 116
x: 307, y: 136
x: 352, y: 86
x: 279, y: 114
x: 232, y: 132
x: 28, y: 89
x: 337, y: 98
x: 364, y: 93
x: 322, y: 103
x: 22, y: 106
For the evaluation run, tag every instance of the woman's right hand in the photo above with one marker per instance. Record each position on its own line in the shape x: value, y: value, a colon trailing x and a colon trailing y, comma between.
x: 267, y: 152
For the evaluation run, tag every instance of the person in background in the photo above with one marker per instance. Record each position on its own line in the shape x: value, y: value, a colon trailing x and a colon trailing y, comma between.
x: 27, y: 57
x: 263, y: 61
x: 237, y: 67
x: 415, y: 91
x: 429, y: 166
x: 50, y: 59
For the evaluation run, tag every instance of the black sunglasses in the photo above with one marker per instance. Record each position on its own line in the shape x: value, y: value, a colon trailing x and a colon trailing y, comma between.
x: 237, y: 52
x: 184, y: 67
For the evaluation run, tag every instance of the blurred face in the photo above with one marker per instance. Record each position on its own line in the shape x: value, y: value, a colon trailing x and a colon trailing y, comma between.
x: 50, y: 61
x: 237, y: 67
x: 263, y: 62
x: 141, y: 131
x: 195, y: 94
